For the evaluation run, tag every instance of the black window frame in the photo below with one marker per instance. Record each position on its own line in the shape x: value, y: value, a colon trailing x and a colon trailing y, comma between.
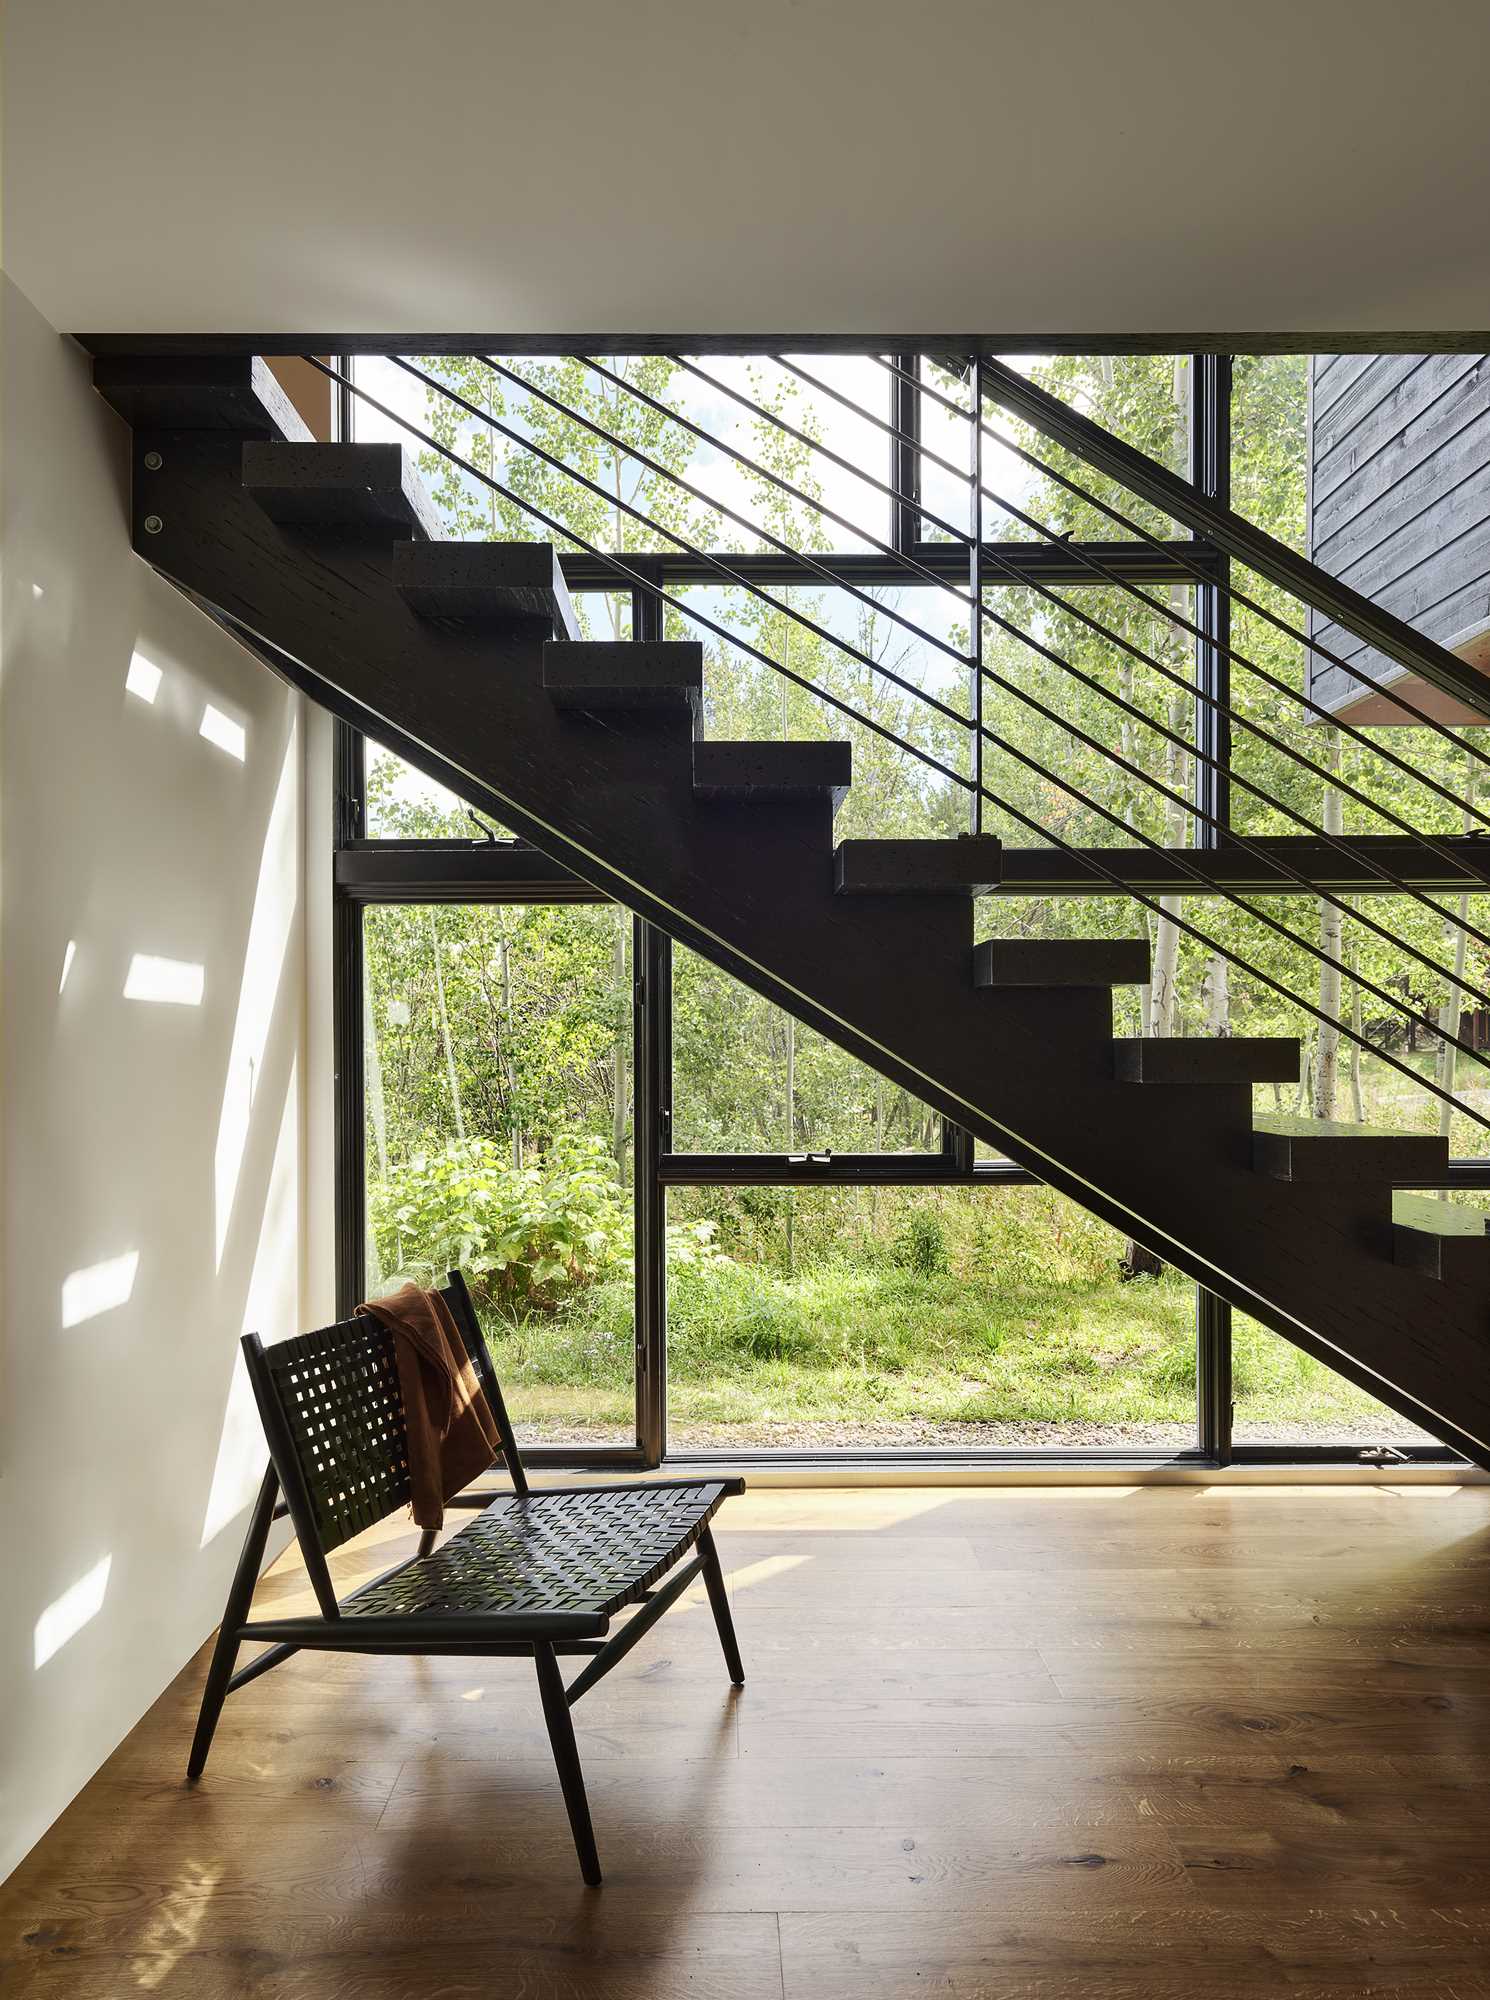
x: 375, y: 871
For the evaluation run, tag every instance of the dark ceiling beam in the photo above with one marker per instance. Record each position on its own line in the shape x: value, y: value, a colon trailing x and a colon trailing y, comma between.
x: 1327, y: 342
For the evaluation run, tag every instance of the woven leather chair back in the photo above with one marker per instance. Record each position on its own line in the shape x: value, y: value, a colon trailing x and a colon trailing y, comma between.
x: 337, y: 1390
x: 337, y: 1412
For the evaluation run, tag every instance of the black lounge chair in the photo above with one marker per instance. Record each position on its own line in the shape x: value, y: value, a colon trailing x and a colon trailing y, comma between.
x: 534, y: 1573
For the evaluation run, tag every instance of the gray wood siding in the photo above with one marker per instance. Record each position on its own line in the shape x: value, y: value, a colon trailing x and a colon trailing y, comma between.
x: 1399, y: 497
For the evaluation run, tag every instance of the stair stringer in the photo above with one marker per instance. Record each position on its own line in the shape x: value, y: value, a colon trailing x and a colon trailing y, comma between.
x: 888, y: 978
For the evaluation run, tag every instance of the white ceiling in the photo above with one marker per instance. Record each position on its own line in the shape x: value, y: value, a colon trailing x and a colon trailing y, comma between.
x: 795, y: 166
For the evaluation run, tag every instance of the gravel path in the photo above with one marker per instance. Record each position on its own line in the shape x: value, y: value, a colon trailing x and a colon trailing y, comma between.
x: 901, y: 1434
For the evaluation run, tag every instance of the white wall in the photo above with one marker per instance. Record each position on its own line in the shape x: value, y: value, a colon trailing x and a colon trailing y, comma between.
x: 153, y: 1152
x: 1010, y: 168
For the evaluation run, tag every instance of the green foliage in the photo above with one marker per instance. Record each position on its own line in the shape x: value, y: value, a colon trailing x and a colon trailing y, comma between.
x: 537, y: 1004
x: 921, y: 1245
x: 524, y: 1236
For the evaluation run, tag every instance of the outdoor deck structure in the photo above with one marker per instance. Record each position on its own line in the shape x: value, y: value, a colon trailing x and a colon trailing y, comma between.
x: 1100, y: 1742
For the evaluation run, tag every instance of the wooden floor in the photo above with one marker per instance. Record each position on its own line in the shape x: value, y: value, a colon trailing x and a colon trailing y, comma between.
x: 1114, y: 1742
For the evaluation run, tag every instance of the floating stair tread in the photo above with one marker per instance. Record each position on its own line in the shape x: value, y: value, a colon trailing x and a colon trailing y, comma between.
x: 967, y: 865
x: 484, y: 582
x: 600, y: 674
x: 1440, y: 1239
x: 772, y: 773
x: 199, y: 392
x: 340, y: 489
x: 1324, y: 1150
x: 1447, y: 1219
x: 1207, y: 1059
x: 1061, y: 962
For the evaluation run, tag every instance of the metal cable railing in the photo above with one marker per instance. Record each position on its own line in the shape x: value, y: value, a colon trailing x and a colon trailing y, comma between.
x: 634, y: 452
x: 634, y: 578
x: 649, y: 522
x: 1335, y: 843
x: 1257, y: 550
x: 1088, y: 559
x: 1420, y: 717
x: 1086, y: 555
x: 1366, y: 985
x: 637, y: 579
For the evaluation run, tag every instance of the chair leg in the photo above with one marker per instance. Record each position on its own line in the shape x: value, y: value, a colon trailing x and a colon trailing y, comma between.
x: 240, y: 1596
x: 566, y: 1756
x: 719, y: 1602
x: 427, y: 1540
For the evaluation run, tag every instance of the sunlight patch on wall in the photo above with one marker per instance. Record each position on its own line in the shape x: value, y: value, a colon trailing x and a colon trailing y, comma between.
x: 98, y: 1288
x: 67, y: 958
x: 224, y: 732
x: 66, y: 1615
x: 173, y: 982
x: 276, y: 902
x: 144, y: 677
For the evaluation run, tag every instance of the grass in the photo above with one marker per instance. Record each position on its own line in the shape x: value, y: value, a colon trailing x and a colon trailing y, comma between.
x: 856, y: 1340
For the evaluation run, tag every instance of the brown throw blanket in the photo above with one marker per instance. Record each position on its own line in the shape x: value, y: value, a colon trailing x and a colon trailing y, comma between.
x: 452, y: 1435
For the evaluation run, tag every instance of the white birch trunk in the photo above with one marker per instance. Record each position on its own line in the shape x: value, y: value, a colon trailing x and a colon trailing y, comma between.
x: 455, y: 1103
x: 373, y: 1060
x: 1163, y: 986
x: 619, y: 1064
x: 1218, y: 996
x: 1331, y: 936
x: 1356, y: 1102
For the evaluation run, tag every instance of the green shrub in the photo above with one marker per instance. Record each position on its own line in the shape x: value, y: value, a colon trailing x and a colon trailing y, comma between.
x: 921, y: 1245
x: 524, y: 1236
x: 528, y: 1238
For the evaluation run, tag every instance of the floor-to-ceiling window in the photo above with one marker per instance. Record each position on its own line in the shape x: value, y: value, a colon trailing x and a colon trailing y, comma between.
x: 693, y: 1221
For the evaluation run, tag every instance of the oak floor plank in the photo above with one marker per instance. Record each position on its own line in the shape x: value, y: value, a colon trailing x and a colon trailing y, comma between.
x: 1317, y: 1676
x: 1427, y: 1863
x: 904, y: 1959
x: 1111, y: 1726
x: 1121, y: 1954
x: 1228, y: 1546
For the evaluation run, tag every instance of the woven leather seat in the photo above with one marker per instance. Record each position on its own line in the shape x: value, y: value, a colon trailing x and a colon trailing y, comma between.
x: 535, y: 1574
x: 596, y: 1549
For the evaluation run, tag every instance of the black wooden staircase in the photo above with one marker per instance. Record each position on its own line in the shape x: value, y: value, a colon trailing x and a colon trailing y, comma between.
x: 462, y: 657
